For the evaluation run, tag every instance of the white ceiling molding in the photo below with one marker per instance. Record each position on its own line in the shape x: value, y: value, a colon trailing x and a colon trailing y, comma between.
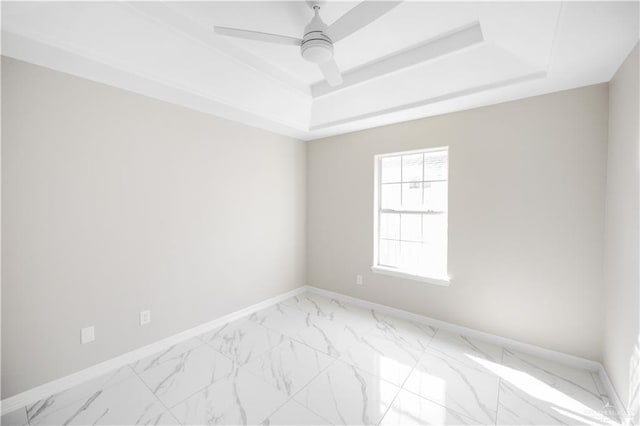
x: 448, y: 43
x: 38, y: 53
x: 429, y: 101
x: 164, y: 14
x: 420, y: 59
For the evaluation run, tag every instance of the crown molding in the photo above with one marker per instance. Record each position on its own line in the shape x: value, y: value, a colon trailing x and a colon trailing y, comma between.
x: 429, y: 101
x: 67, y: 61
x: 170, y: 17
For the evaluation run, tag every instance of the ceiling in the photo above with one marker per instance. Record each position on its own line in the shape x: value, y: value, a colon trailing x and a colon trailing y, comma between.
x: 168, y: 50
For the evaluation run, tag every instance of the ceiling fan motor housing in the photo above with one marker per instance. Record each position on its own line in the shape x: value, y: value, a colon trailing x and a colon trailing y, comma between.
x: 316, y: 47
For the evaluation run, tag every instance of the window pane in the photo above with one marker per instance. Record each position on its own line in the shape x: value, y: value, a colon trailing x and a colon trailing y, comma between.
x: 389, y: 253
x: 434, y: 229
x: 435, y: 196
x: 411, y: 229
x: 435, y: 165
x: 415, y: 240
x: 390, y: 196
x: 390, y: 225
x: 412, y: 168
x: 411, y: 256
x: 412, y: 196
x: 390, y: 169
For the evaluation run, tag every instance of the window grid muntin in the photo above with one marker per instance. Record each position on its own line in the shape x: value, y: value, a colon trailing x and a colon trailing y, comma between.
x: 401, y: 211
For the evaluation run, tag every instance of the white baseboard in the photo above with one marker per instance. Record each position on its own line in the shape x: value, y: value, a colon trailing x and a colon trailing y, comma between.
x: 35, y: 394
x: 614, y: 399
x: 491, y: 338
x: 516, y: 345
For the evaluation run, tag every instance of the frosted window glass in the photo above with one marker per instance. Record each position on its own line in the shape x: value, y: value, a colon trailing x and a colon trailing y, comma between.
x: 435, y: 196
x: 412, y: 196
x: 412, y: 212
x: 390, y: 169
x: 436, y: 166
x: 411, y: 229
x: 389, y: 253
x: 412, y: 168
x: 411, y: 256
x: 390, y: 197
x: 390, y: 226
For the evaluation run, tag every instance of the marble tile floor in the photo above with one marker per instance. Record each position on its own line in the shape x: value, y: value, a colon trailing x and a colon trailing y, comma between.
x: 311, y: 360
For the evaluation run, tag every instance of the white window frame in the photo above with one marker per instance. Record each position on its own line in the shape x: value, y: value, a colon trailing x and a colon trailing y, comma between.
x: 377, y: 209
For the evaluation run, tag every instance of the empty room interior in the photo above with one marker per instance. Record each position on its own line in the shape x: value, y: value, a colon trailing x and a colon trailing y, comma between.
x: 320, y: 213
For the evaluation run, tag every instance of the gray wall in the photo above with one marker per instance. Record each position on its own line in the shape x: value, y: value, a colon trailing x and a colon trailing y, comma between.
x: 622, y: 333
x: 114, y: 203
x: 526, y: 214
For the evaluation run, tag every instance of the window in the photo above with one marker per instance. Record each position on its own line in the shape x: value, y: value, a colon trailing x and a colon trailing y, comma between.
x: 411, y: 215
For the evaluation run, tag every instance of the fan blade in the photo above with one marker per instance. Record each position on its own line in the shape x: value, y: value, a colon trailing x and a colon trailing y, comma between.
x: 256, y: 35
x: 331, y: 72
x: 358, y: 17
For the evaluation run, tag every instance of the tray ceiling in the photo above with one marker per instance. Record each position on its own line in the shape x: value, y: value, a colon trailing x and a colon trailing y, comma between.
x: 392, y: 69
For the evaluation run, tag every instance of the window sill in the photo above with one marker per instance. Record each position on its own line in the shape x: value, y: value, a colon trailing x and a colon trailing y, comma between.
x: 396, y: 273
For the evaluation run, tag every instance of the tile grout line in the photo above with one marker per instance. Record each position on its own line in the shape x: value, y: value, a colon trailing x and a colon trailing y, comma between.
x: 235, y: 367
x: 533, y: 350
x: 297, y: 302
x: 156, y: 396
x: 81, y: 398
x: 333, y: 361
x: 209, y: 344
x: 456, y: 362
x: 205, y: 343
x: 135, y: 374
x: 311, y: 347
x: 401, y: 387
x: 391, y: 404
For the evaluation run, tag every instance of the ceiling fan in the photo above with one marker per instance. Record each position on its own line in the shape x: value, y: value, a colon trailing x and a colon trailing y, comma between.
x: 316, y: 45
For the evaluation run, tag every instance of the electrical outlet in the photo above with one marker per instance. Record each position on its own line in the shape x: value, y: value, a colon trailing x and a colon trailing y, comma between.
x: 145, y: 317
x: 359, y: 279
x: 87, y: 334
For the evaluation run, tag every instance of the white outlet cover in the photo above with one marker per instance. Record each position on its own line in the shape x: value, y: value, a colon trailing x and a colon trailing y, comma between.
x: 87, y: 334
x: 359, y: 279
x: 145, y: 317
